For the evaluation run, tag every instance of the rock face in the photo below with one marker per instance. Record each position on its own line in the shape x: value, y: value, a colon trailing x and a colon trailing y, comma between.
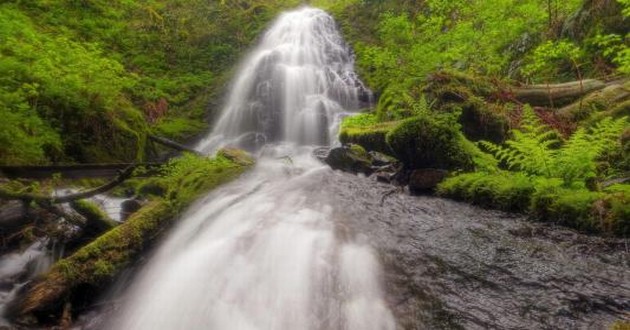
x: 350, y: 158
x: 423, y: 181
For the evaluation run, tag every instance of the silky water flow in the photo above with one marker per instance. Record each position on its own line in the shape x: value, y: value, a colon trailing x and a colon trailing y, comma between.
x: 268, y: 251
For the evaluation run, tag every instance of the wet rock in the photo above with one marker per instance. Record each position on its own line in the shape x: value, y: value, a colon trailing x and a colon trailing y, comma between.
x: 425, y: 180
x: 350, y: 158
x: 381, y: 159
x: 321, y: 153
x: 129, y: 207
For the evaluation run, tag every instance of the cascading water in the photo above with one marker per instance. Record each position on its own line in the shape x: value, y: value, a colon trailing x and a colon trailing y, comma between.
x: 269, y: 251
x: 292, y: 88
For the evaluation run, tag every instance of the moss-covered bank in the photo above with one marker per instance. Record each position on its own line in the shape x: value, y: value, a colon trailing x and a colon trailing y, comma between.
x: 97, y: 264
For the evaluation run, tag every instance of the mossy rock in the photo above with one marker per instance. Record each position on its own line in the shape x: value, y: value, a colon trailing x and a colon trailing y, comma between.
x: 481, y: 121
x: 350, y: 158
x: 371, y: 138
x: 430, y: 141
x: 97, y: 221
x: 483, y: 114
x: 366, y: 130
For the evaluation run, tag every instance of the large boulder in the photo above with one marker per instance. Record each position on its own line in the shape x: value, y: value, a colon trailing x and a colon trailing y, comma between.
x: 430, y: 141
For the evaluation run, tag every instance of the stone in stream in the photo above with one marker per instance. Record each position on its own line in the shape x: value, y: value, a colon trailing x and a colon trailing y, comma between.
x: 350, y: 158
x: 425, y: 180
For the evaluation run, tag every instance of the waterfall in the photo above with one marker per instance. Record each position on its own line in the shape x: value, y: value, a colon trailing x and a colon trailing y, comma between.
x: 293, y: 87
x: 268, y: 251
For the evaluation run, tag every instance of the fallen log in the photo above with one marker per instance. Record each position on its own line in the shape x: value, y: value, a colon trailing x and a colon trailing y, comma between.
x: 97, y: 264
x: 172, y: 144
x: 97, y: 221
x: 74, y: 171
x: 597, y: 101
x: 124, y: 175
x: 554, y: 95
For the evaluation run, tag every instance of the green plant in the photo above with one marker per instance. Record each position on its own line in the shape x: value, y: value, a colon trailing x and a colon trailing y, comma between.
x: 548, y: 58
x: 534, y: 148
x: 530, y: 147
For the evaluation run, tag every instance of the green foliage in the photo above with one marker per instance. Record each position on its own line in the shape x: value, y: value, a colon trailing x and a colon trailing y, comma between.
x: 529, y: 149
x: 614, y: 48
x: 84, y: 80
x: 549, y: 179
x: 359, y: 120
x: 551, y: 58
x: 533, y: 149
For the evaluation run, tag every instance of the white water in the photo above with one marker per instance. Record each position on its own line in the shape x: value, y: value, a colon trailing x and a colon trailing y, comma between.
x: 268, y: 251
x: 293, y: 87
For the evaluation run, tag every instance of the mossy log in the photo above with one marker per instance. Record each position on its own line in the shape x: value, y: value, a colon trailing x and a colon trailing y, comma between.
x: 601, y: 100
x: 98, y: 263
x: 97, y: 221
x: 554, y: 95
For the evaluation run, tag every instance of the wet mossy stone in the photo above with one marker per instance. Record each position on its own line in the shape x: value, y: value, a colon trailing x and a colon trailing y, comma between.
x: 370, y: 137
x: 430, y: 141
x: 350, y: 158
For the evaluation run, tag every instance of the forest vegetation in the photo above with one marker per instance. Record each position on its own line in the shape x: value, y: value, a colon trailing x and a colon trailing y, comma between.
x: 457, y: 86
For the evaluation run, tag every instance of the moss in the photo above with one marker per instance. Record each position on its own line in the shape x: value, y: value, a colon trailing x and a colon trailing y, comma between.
x: 429, y: 141
x: 569, y: 207
x: 179, y: 128
x: 358, y: 150
x: 545, y: 199
x: 371, y: 137
x: 96, y: 218
x: 503, y: 190
x: 100, y: 261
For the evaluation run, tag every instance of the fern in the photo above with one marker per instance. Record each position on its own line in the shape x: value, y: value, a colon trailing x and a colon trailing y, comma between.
x: 577, y: 158
x: 530, y: 148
